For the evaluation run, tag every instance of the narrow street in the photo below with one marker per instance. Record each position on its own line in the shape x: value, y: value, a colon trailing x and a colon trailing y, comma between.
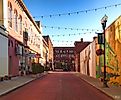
x: 57, y: 86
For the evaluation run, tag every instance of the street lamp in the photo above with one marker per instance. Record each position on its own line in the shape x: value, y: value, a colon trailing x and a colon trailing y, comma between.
x: 103, y: 22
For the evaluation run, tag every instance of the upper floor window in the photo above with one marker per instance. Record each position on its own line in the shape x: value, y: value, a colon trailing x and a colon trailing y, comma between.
x: 10, y: 14
x: 25, y: 24
x: 71, y: 51
x: 16, y: 21
x: 20, y: 24
x: 64, y: 51
x: 60, y: 51
x: 56, y: 51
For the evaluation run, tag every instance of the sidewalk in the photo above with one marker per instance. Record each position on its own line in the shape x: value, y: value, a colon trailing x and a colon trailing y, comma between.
x: 9, y: 85
x: 113, y: 92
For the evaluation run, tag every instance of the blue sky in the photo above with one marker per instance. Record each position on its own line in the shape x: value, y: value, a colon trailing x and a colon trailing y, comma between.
x: 89, y: 20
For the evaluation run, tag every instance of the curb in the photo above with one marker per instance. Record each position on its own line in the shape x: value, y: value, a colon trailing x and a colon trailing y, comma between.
x: 21, y: 85
x: 96, y: 87
x: 99, y: 89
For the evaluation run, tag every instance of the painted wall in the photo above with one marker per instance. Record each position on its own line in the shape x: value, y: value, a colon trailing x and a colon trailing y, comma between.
x: 93, y: 58
x: 88, y: 60
x: 113, y: 37
x: 13, y: 58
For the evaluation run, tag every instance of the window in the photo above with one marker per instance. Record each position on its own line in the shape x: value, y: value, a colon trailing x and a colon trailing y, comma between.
x: 16, y: 22
x: 10, y: 14
x: 20, y: 24
x: 71, y: 51
x: 9, y: 43
x: 25, y: 26
x: 57, y: 51
x: 29, y: 38
x: 64, y: 51
x: 60, y: 51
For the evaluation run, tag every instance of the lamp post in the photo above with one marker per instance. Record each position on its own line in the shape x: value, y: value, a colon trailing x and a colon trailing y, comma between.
x: 103, y: 22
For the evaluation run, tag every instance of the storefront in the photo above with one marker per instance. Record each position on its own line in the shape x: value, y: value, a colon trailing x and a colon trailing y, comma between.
x: 3, y: 52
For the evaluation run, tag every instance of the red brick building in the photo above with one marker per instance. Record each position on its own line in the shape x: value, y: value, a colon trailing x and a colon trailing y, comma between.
x: 64, y: 58
x: 79, y: 46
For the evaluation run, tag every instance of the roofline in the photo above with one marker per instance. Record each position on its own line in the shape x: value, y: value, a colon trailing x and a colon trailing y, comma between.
x: 113, y: 22
x: 28, y: 14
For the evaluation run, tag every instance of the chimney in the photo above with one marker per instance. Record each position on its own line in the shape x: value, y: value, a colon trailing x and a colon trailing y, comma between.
x: 81, y: 39
x: 94, y: 37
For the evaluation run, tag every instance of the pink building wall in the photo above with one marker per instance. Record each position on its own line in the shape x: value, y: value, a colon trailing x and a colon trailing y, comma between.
x: 13, y: 59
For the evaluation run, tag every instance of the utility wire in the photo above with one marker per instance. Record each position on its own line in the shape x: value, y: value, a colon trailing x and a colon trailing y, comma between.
x: 69, y: 28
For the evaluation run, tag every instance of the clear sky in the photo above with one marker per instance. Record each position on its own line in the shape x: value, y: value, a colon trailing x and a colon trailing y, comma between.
x: 82, y: 20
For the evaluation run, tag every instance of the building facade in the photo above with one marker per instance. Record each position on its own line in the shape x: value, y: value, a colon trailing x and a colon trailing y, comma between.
x: 64, y: 58
x: 113, y: 51
x: 3, y: 52
x: 45, y: 55
x: 88, y: 60
x: 79, y: 46
x: 24, y: 36
x: 50, y: 51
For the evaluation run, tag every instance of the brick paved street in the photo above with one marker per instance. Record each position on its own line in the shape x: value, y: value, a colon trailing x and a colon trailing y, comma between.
x: 57, y: 86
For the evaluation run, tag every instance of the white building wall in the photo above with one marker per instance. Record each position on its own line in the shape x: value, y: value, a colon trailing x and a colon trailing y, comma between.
x: 5, y: 15
x: 93, y: 59
x: 88, y: 54
x: 82, y: 65
x: 3, y: 54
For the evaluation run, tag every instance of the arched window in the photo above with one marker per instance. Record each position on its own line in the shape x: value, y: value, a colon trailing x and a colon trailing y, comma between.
x: 31, y: 36
x: 16, y: 21
x: 20, y: 24
x: 10, y: 14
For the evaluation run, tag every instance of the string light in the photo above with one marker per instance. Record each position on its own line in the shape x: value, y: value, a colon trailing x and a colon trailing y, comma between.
x: 69, y: 28
x: 58, y: 27
x: 53, y: 35
x: 78, y: 12
x: 58, y: 45
x: 61, y: 41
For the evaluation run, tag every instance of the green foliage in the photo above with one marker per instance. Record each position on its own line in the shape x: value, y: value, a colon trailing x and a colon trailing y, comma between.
x: 37, y: 68
x: 46, y: 68
x: 58, y: 65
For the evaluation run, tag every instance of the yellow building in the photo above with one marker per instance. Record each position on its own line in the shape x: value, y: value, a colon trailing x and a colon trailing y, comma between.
x: 113, y: 51
x: 45, y: 56
x: 50, y: 51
